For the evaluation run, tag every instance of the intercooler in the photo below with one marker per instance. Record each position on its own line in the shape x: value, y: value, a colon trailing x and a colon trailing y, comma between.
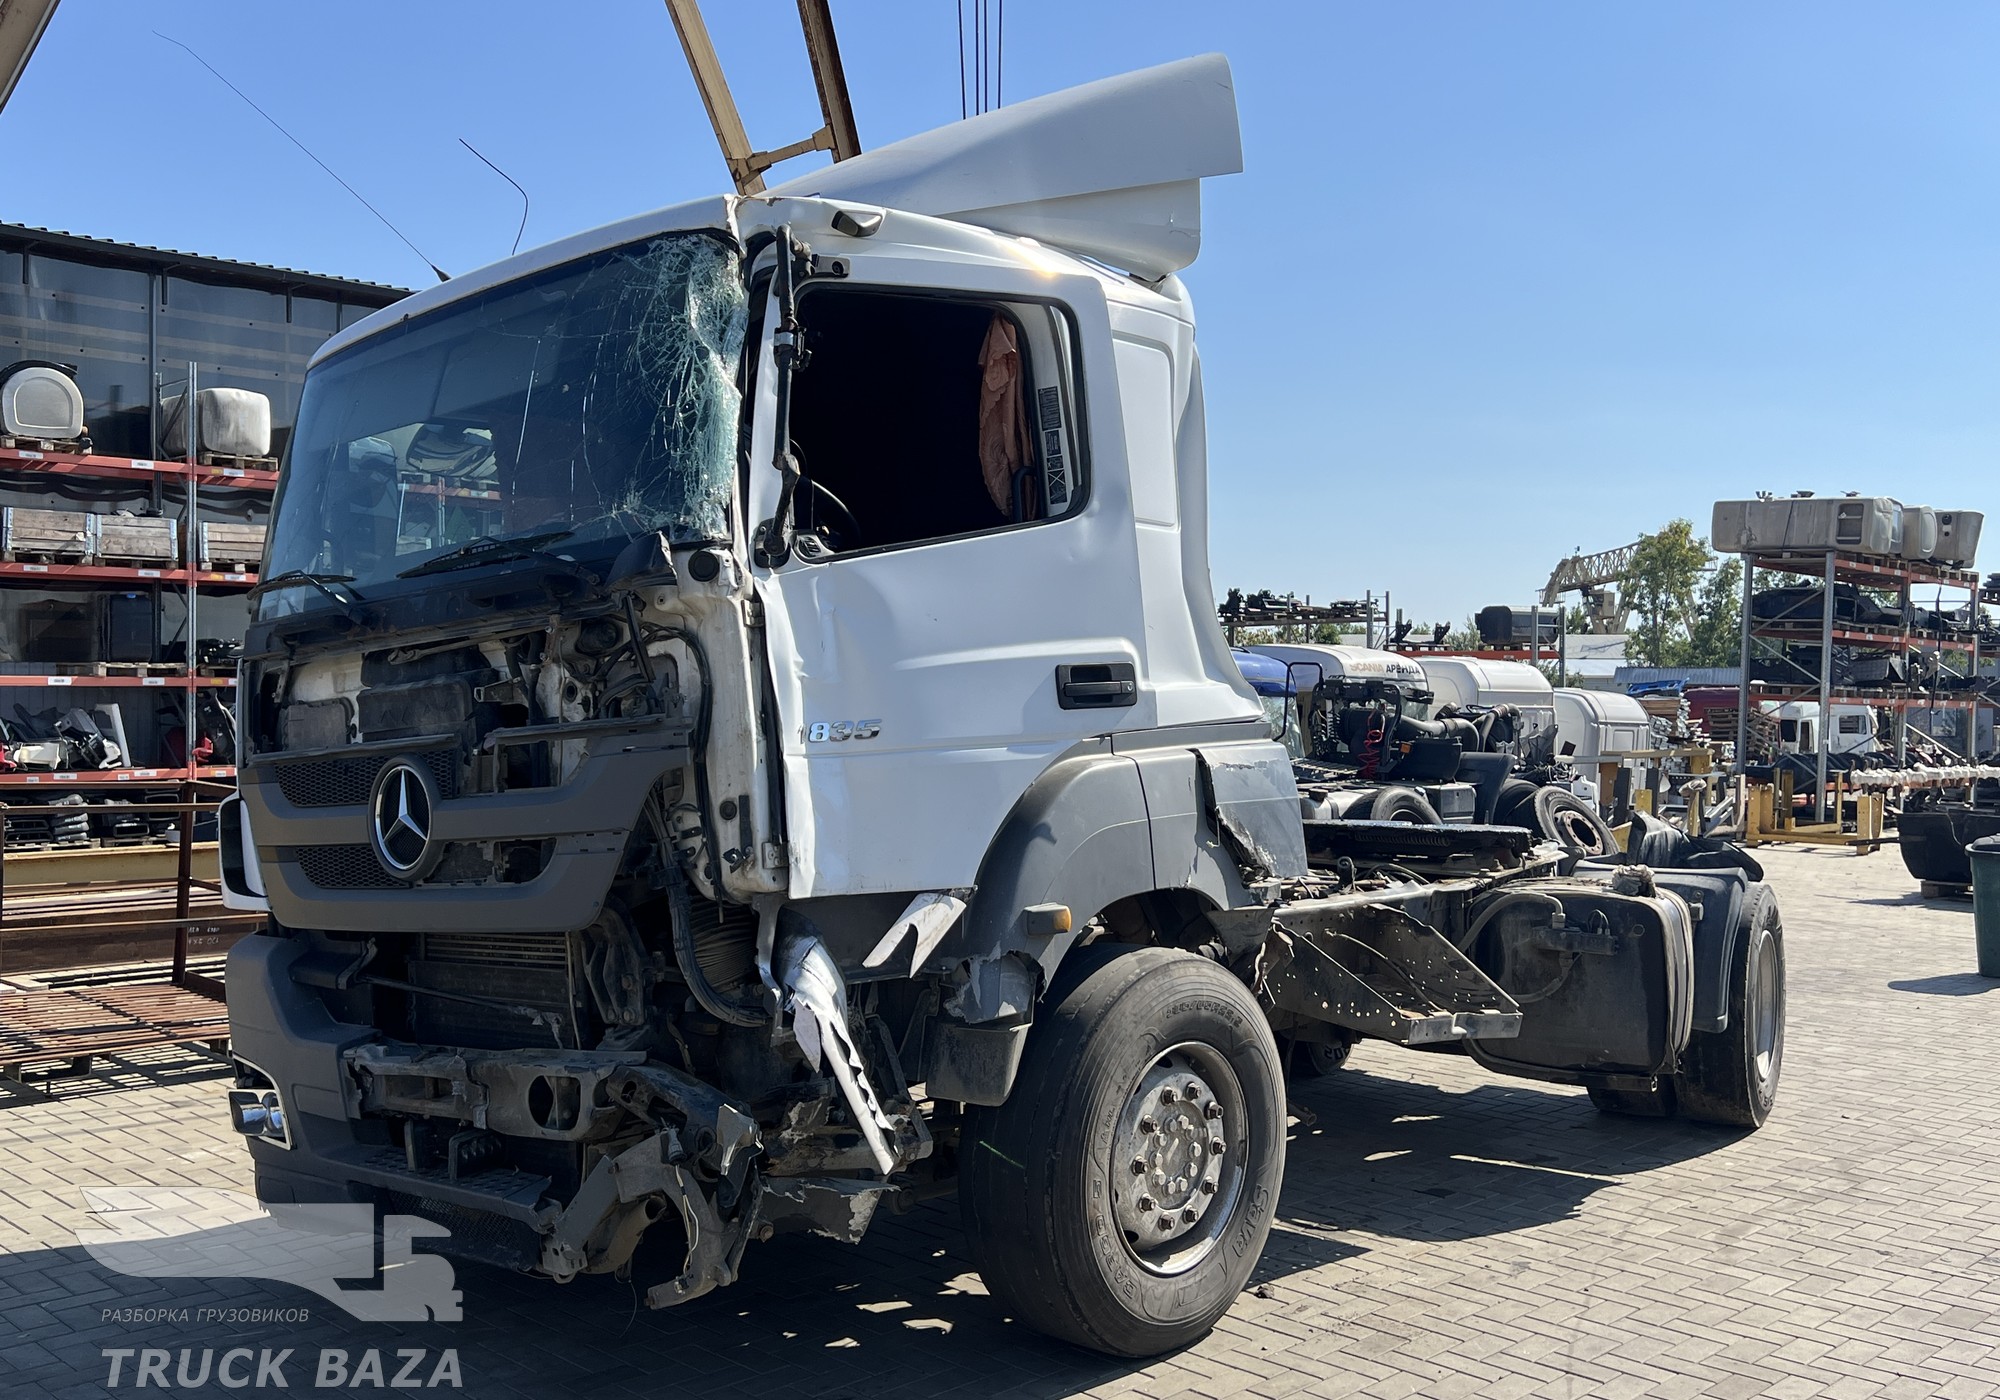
x: 521, y: 972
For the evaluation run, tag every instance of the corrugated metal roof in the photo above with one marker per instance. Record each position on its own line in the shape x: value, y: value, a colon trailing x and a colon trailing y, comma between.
x: 22, y: 235
x: 1692, y: 675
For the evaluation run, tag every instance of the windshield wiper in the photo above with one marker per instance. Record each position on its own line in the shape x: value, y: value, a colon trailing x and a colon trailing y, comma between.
x: 488, y: 550
x: 292, y: 578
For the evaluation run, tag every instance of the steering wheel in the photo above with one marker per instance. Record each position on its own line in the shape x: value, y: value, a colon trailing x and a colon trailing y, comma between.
x: 847, y: 533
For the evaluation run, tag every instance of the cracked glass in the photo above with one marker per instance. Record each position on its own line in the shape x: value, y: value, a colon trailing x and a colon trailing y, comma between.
x: 575, y: 409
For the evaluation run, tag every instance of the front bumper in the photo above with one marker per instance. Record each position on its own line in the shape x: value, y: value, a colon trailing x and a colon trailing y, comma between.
x: 681, y: 1144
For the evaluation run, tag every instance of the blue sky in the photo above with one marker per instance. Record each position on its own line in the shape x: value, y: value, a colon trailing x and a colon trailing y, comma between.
x: 1500, y: 280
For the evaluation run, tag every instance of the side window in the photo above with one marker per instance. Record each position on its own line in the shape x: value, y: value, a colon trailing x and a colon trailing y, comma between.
x: 1854, y: 724
x: 922, y: 417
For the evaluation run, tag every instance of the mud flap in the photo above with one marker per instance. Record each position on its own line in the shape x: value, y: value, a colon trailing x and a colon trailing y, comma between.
x: 1376, y: 970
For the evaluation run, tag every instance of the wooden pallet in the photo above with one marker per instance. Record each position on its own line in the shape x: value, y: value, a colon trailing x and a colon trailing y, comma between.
x: 31, y: 536
x: 227, y: 546
x: 80, y: 446
x: 1937, y: 889
x: 73, y: 1025
x: 238, y: 462
x: 118, y: 668
x: 138, y: 541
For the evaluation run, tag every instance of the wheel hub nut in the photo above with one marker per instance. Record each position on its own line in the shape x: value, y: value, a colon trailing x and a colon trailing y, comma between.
x: 1173, y: 1132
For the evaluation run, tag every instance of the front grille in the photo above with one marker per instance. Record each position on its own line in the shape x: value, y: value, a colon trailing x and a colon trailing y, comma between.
x: 543, y: 950
x: 347, y: 782
x: 345, y: 868
x: 462, y: 863
x: 474, y: 1234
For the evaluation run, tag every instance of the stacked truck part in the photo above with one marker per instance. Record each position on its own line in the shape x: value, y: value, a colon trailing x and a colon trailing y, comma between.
x: 1839, y: 650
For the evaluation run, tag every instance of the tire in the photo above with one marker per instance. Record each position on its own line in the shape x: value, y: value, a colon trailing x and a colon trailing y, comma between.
x: 1731, y: 1076
x: 1515, y: 804
x: 1567, y: 819
x: 1403, y: 804
x: 1315, y: 1059
x: 1052, y: 1209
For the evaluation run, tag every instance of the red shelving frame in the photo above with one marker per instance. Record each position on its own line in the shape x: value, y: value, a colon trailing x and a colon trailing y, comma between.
x: 20, y: 464
x: 174, y: 680
x: 139, y: 470
x: 121, y: 777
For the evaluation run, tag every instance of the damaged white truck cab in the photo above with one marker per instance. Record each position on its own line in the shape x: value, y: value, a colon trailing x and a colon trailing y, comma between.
x: 736, y: 731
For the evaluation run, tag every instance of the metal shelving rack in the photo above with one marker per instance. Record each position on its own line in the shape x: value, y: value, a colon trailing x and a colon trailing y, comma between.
x: 1830, y: 568
x: 190, y: 474
x: 196, y: 786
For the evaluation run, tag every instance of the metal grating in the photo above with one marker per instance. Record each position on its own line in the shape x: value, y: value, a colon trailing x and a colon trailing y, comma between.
x: 37, y: 1027
x: 344, y: 868
x: 543, y: 950
x: 474, y: 1234
x: 347, y: 782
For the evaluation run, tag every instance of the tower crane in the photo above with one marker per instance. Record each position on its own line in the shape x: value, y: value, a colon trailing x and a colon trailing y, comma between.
x: 1588, y: 574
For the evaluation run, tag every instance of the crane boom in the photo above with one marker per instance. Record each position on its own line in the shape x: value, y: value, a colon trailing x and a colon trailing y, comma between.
x: 22, y: 24
x: 1581, y: 573
x: 747, y: 166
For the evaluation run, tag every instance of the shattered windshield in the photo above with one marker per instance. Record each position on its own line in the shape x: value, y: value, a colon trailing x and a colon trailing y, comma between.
x: 587, y: 404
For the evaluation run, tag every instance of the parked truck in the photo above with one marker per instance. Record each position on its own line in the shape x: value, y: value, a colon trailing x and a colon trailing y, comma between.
x: 736, y: 735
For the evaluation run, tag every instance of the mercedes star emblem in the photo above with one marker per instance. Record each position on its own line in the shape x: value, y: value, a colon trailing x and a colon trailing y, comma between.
x: 401, y: 819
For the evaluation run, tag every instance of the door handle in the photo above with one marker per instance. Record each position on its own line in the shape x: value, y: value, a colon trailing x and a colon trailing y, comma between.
x: 1104, y: 685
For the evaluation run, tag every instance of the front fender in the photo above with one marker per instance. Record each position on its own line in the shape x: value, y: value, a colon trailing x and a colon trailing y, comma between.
x: 1105, y: 824
x: 1079, y: 837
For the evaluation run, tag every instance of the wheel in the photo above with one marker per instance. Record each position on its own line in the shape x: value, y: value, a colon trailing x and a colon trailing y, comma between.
x: 1403, y: 804
x: 1121, y: 1196
x: 1731, y: 1076
x: 1514, y: 805
x: 1657, y: 1102
x: 1567, y: 819
x: 1315, y: 1059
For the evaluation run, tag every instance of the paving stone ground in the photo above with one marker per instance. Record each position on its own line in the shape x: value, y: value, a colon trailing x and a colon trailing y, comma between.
x: 1442, y: 1232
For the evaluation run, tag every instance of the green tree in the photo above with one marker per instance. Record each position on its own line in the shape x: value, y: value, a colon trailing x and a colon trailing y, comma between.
x: 1716, y: 637
x: 1687, y: 609
x: 1662, y: 588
